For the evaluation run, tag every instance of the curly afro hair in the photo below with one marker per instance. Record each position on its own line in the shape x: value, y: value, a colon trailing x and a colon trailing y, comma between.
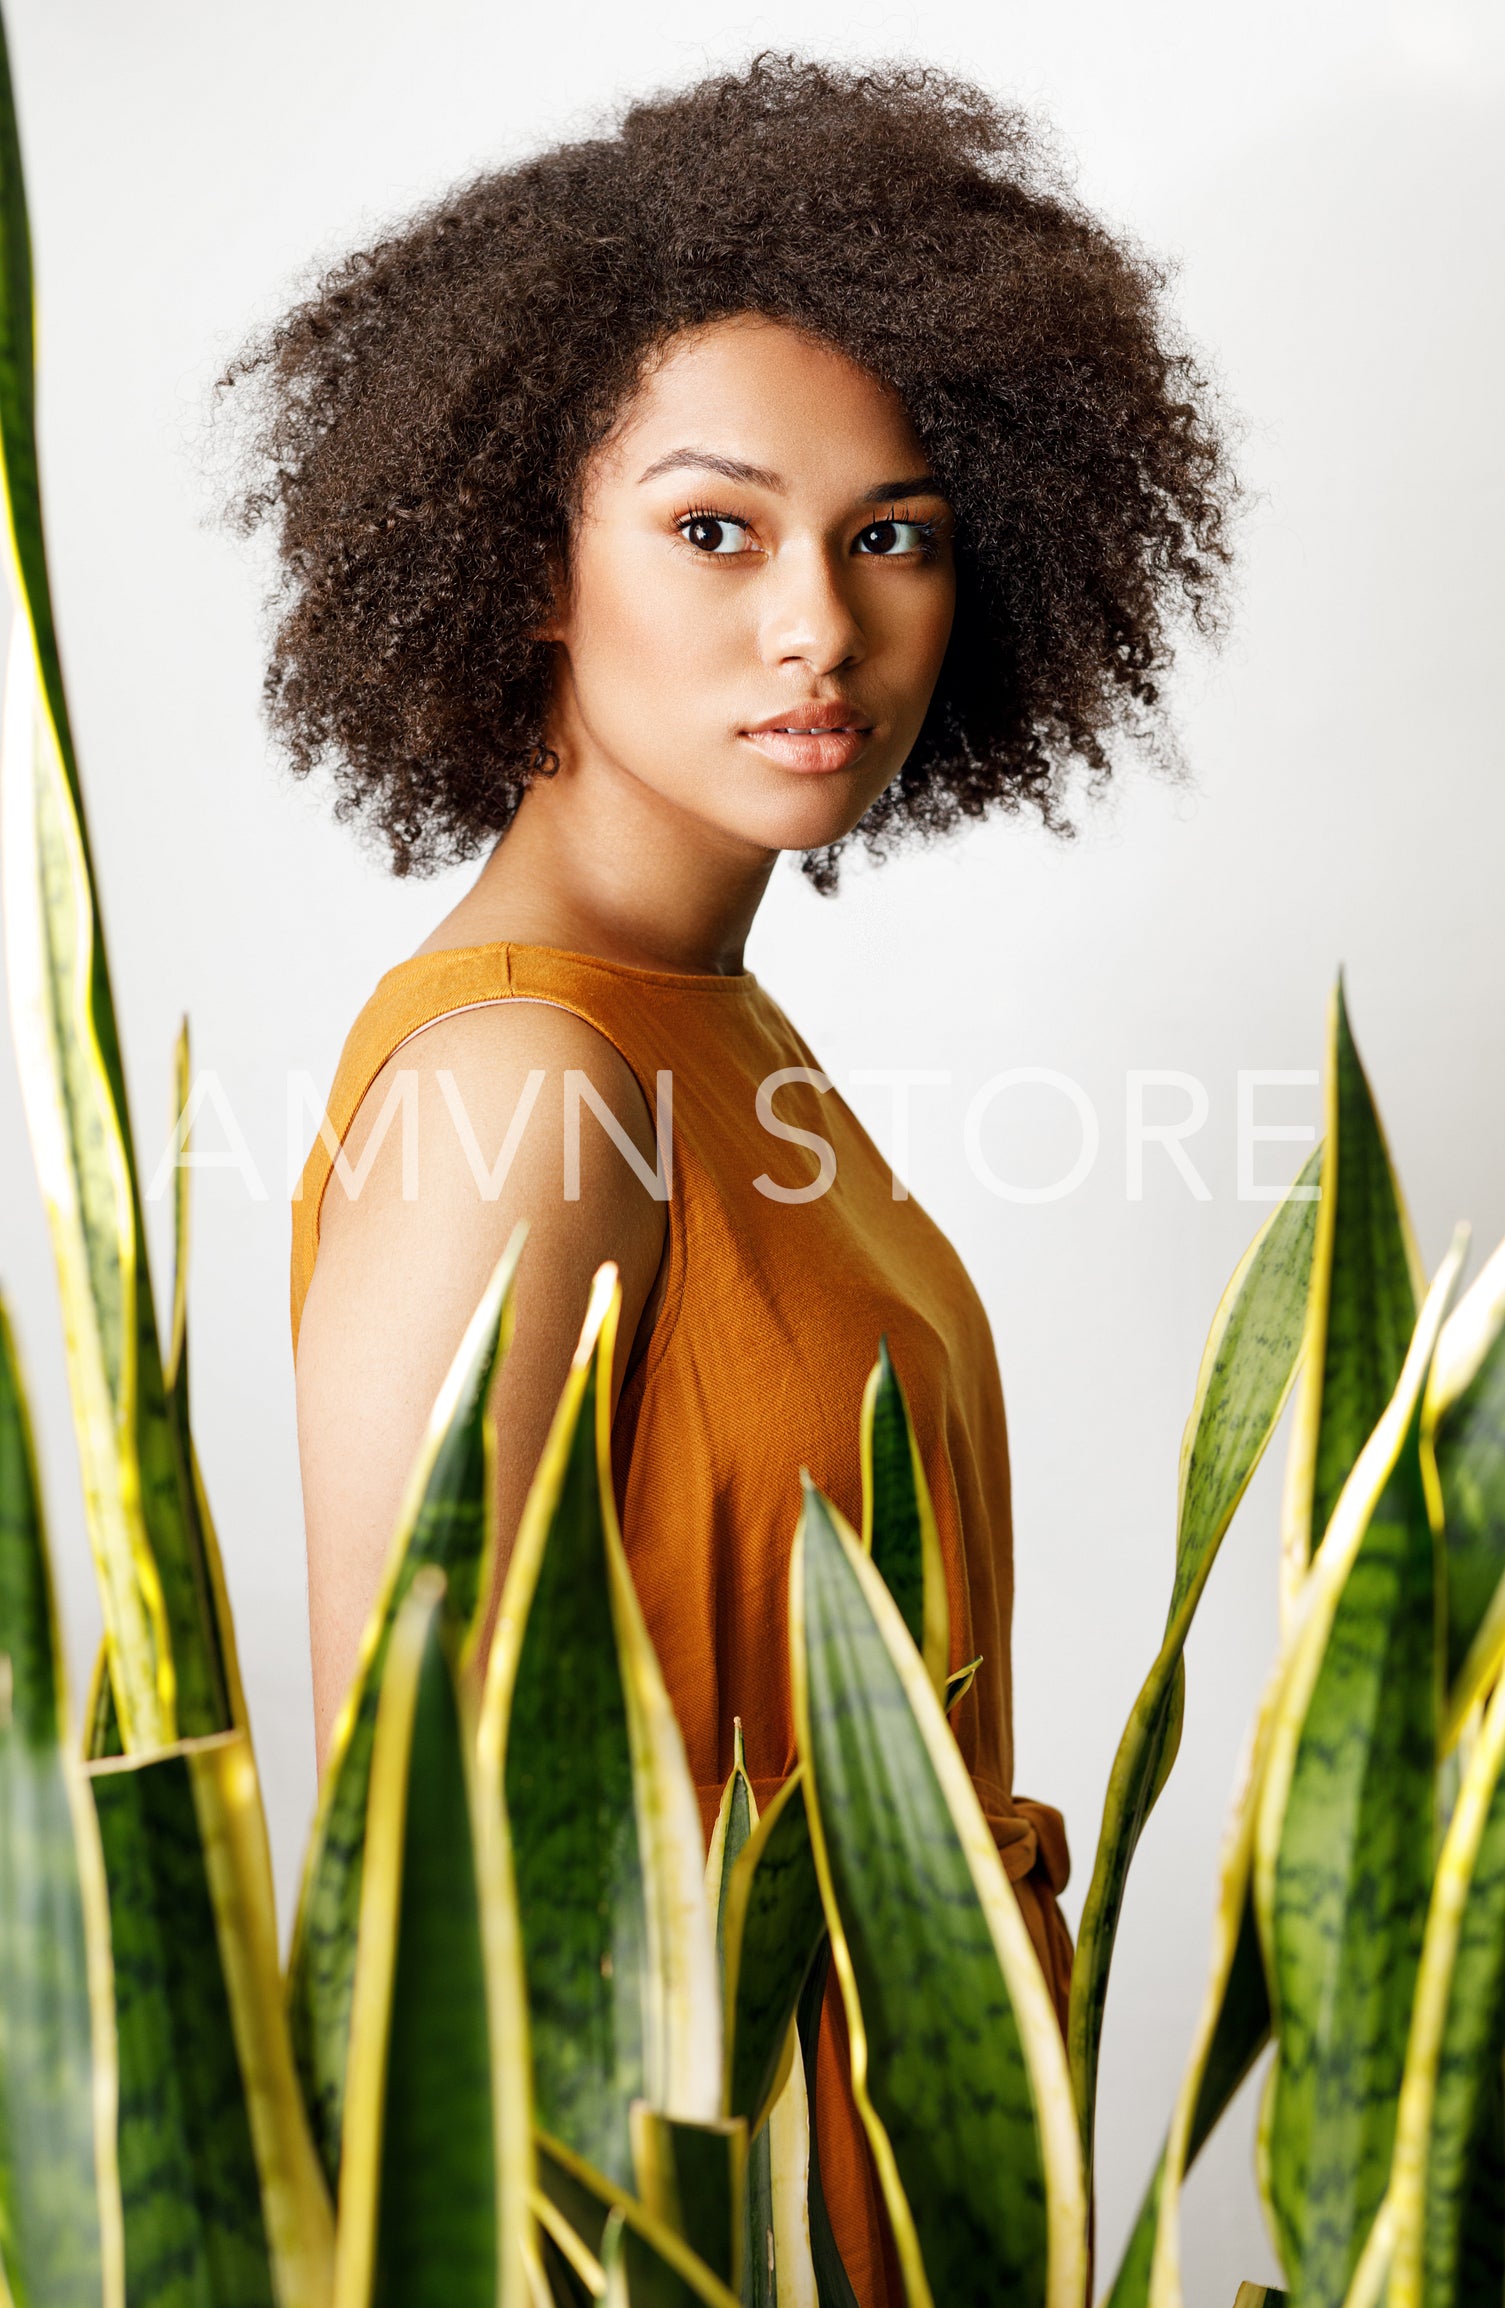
x: 423, y: 420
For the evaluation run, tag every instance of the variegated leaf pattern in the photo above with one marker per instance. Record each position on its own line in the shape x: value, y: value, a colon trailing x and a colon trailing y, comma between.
x: 222, y: 2202
x: 1467, y: 1421
x: 581, y: 2208
x: 624, y: 2000
x: 774, y: 1925
x: 776, y: 2262
x: 1247, y: 1368
x: 1447, y: 2235
x: 164, y: 1631
x: 958, y: 2067
x: 59, y: 2210
x: 898, y: 1520
x: 1361, y: 1309
x: 1344, y: 1842
x: 434, y: 2198
x: 447, y: 1522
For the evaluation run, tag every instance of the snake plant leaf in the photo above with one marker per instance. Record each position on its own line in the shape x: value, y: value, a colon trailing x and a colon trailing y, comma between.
x: 165, y: 1639
x: 958, y: 2068
x: 736, y: 1817
x: 1344, y: 1840
x: 662, y: 2271
x: 959, y: 1684
x: 1234, y: 2019
x: 1446, y: 2141
x: 693, y: 2177
x: 776, y: 2261
x: 772, y: 1909
x: 774, y: 1927
x: 787, y: 2273
x: 833, y: 2286
x: 1240, y: 2031
x: 101, y: 1722
x: 221, y: 2195
x: 898, y: 1520
x: 1467, y: 1424
x: 578, y: 1731
x: 1232, y: 2028
x: 1361, y: 1309
x: 447, y: 1522
x: 572, y: 2274
x: 429, y: 2187
x: 18, y: 414
x: 59, y: 2205
x: 203, y: 1540
x: 1247, y: 1368
x: 85, y: 1184
x: 1259, y: 2296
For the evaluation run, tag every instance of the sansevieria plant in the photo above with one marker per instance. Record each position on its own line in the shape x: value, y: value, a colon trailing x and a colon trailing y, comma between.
x: 533, y: 2045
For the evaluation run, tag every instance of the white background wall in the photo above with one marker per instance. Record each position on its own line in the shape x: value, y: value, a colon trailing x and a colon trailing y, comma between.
x: 1328, y: 175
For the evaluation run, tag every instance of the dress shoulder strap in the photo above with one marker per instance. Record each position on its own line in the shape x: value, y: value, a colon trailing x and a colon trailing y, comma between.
x: 408, y: 997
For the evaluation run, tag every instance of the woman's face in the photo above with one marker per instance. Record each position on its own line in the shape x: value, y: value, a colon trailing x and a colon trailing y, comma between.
x: 761, y: 592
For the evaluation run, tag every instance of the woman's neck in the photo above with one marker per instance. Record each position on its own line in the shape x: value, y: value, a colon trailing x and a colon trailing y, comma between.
x: 596, y: 863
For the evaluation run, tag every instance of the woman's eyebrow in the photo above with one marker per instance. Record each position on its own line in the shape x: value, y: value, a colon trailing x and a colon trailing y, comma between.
x: 923, y: 485
x: 760, y: 477
x: 706, y: 461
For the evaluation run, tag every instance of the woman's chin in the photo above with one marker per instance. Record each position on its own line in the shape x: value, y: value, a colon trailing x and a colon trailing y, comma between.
x: 824, y: 810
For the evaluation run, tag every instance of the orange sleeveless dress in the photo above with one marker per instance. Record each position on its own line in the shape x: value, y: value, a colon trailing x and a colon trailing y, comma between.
x: 767, y: 1330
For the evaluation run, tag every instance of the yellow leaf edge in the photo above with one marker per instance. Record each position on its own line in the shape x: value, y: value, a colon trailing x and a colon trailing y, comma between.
x: 1039, y: 2029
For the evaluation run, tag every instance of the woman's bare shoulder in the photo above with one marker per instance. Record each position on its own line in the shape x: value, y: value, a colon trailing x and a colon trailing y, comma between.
x: 478, y: 1062
x: 473, y: 1124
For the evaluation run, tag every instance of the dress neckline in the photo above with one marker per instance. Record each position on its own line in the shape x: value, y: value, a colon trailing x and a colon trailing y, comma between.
x: 691, y: 981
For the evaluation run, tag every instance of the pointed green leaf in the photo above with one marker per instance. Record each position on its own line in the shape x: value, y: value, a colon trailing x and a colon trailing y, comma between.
x: 194, y: 2228
x: 159, y: 1610
x: 18, y: 415
x: 1468, y: 1440
x: 50, y: 2243
x: 776, y: 2243
x: 221, y: 2195
x: 898, y: 1520
x: 662, y: 2271
x: 623, y: 1995
x: 201, y: 1544
x: 1240, y: 2032
x: 1344, y: 1842
x: 735, y: 1820
x: 1247, y: 1368
x: 1366, y: 1282
x: 958, y: 2068
x: 833, y: 2286
x: 419, y: 2218
x: 693, y: 2177
x: 446, y: 1521
x: 164, y: 1631
x: 775, y: 1926
x: 1447, y: 2140
x: 101, y: 1722
x: 83, y: 1173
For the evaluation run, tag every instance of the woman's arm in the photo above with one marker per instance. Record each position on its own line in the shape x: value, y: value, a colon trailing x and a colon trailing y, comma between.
x: 397, y: 1280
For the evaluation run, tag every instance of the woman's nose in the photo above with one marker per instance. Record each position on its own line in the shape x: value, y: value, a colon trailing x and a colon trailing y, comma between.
x: 809, y: 616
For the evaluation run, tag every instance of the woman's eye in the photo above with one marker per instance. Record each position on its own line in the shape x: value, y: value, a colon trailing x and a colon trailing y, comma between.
x: 891, y: 537
x: 714, y: 533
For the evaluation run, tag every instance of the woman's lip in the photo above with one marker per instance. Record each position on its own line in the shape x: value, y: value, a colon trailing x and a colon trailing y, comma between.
x: 810, y: 749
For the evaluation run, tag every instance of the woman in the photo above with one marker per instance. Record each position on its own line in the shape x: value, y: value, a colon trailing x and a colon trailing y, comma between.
x: 796, y: 464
